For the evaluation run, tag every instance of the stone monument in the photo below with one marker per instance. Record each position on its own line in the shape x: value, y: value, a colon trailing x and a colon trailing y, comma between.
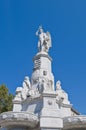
x: 38, y: 103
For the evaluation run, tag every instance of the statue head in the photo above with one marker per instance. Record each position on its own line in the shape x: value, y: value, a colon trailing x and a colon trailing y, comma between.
x: 26, y: 78
x: 41, y: 29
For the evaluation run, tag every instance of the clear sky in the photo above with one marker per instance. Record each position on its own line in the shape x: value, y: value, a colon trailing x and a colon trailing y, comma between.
x: 66, y: 21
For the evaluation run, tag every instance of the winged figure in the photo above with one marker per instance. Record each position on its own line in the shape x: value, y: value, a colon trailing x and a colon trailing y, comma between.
x: 44, y: 42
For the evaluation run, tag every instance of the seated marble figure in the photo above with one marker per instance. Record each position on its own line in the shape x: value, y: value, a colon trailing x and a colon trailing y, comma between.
x: 62, y: 96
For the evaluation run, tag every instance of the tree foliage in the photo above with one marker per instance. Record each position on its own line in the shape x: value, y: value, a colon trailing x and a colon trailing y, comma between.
x: 5, y: 99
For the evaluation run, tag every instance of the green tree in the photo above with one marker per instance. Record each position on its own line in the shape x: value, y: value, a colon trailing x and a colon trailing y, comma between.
x: 5, y: 99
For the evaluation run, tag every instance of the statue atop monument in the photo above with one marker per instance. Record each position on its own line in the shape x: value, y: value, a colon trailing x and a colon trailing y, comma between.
x: 44, y: 42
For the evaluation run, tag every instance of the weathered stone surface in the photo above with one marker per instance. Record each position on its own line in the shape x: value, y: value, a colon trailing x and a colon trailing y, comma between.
x: 11, y: 119
x: 74, y: 122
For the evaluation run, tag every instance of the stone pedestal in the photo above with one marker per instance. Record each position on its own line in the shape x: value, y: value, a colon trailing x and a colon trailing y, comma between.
x: 17, y: 107
x: 50, y: 116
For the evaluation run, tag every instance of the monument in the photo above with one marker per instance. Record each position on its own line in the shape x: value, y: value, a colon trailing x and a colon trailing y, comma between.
x: 39, y: 104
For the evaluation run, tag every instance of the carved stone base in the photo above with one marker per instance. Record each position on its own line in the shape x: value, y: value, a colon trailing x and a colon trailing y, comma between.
x: 74, y: 123
x: 13, y: 120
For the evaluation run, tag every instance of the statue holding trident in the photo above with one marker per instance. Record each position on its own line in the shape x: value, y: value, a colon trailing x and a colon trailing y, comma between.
x: 44, y: 42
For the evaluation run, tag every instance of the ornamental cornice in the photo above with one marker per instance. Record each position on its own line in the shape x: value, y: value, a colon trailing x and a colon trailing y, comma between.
x: 42, y: 55
x: 8, y: 119
x: 72, y: 122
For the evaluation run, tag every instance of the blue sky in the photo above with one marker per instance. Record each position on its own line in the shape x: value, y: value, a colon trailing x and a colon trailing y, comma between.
x: 66, y: 21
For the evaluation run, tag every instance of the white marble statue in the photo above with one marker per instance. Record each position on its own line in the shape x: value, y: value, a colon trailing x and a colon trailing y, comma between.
x: 62, y: 96
x: 58, y: 85
x: 26, y: 87
x: 45, y: 85
x: 24, y: 91
x: 18, y: 96
x: 44, y: 42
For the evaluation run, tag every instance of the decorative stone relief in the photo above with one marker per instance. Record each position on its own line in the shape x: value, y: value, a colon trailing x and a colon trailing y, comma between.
x: 45, y: 85
x: 49, y: 102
